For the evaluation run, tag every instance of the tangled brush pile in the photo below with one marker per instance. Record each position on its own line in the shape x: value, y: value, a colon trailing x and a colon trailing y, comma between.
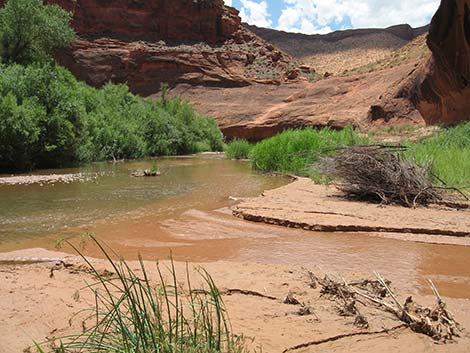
x: 380, y: 174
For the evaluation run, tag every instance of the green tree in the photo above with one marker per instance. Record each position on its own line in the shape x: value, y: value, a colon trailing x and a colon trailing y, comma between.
x: 19, y: 132
x: 30, y: 31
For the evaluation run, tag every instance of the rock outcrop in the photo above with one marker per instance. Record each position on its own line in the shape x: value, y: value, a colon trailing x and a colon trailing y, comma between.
x: 145, y: 65
x: 437, y: 89
x: 177, y: 21
x: 259, y: 111
x: 445, y: 91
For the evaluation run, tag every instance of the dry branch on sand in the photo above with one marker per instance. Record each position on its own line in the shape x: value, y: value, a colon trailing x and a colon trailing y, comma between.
x: 437, y: 323
x: 378, y: 173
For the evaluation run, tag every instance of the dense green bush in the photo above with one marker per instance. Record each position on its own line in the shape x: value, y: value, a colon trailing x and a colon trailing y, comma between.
x: 294, y: 151
x: 448, y: 151
x: 238, y: 149
x: 50, y: 119
x: 31, y: 31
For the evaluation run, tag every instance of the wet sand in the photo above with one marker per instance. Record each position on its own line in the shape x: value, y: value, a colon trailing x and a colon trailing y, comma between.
x: 34, y: 305
x: 306, y: 205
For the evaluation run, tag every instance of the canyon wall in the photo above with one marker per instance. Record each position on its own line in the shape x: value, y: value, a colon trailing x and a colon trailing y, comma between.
x: 206, y: 21
x: 437, y: 89
x: 445, y: 90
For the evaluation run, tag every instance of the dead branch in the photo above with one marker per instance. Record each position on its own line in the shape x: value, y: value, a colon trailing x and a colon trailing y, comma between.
x: 338, y: 337
x: 247, y: 292
x: 375, y: 173
x: 437, y: 323
x: 291, y: 300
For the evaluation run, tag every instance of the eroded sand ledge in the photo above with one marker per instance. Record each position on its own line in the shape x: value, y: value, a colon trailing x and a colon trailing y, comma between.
x: 303, y: 204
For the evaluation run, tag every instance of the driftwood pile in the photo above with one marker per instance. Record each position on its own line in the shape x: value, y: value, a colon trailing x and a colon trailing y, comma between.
x: 437, y: 323
x: 146, y: 173
x: 380, y: 174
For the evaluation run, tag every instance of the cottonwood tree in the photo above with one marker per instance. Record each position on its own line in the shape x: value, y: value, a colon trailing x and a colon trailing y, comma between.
x: 30, y: 31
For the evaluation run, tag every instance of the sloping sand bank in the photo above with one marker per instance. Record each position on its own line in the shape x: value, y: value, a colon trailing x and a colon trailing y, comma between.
x: 303, y: 204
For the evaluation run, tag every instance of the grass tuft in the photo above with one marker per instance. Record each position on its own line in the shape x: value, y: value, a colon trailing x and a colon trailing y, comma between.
x: 136, y: 314
x: 294, y: 151
x: 238, y: 149
x: 448, y: 152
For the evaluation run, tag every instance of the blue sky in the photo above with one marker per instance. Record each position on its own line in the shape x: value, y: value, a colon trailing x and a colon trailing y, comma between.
x: 323, y: 16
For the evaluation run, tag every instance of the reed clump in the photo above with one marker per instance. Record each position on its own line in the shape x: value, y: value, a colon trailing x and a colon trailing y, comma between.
x: 294, y: 151
x: 134, y: 313
x: 238, y: 149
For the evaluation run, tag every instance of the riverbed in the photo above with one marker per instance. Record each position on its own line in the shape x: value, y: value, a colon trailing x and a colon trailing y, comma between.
x: 105, y: 196
x: 187, y: 212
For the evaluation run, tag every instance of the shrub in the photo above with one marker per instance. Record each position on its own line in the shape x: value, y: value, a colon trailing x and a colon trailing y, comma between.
x: 294, y: 151
x: 238, y: 149
x: 19, y: 131
x: 46, y: 104
x: 31, y: 31
x: 49, y: 119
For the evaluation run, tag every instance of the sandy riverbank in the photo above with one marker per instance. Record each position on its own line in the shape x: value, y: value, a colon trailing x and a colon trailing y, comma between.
x: 35, y: 304
x: 306, y: 205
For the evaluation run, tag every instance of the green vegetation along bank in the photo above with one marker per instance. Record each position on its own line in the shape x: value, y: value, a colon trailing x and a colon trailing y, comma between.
x: 49, y: 119
x: 447, y: 152
x: 238, y: 149
x: 294, y: 151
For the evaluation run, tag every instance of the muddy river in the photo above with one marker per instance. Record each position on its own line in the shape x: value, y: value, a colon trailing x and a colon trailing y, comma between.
x: 186, y: 211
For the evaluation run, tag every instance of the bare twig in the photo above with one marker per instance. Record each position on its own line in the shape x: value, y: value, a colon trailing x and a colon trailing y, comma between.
x: 247, y: 292
x: 378, y: 173
x: 345, y: 335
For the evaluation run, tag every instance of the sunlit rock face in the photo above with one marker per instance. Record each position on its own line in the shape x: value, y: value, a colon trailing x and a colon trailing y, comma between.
x: 172, y: 20
x: 437, y: 89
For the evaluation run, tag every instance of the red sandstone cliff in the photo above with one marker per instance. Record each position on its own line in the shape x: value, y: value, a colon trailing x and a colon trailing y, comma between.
x: 445, y: 90
x: 146, y: 43
x: 170, y: 20
x: 433, y: 88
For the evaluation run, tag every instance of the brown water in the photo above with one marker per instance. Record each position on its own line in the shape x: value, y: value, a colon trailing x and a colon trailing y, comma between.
x: 185, y: 211
x: 40, y: 213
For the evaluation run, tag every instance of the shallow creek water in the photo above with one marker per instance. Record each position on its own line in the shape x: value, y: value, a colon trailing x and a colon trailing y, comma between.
x: 185, y: 210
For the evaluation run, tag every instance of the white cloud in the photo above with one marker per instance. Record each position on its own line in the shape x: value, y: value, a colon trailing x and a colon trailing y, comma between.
x: 228, y: 2
x: 306, y: 16
x: 319, y: 16
x: 376, y: 13
x: 255, y: 13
